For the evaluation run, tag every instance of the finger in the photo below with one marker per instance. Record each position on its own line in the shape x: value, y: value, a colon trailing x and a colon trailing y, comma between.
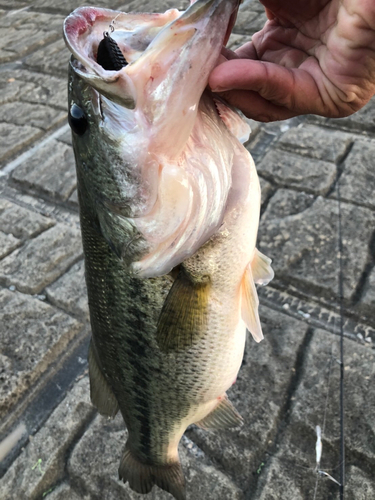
x: 255, y: 106
x: 228, y: 54
x: 294, y: 89
x: 247, y: 51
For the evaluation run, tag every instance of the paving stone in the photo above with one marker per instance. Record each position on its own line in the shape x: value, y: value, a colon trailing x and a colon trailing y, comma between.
x: 20, y: 222
x: 52, y: 59
x: 259, y: 395
x: 249, y: 21
x: 73, y: 199
x: 38, y: 88
x: 41, y: 260
x: 251, y: 5
x: 36, y: 115
x: 358, y: 178
x: 235, y: 41
x: 291, y: 170
x: 304, y: 244
x: 68, y: 6
x: 359, y: 484
x: 368, y: 298
x: 316, y: 142
x: 152, y: 6
x: 286, y: 202
x: 50, y: 172
x: 8, y: 243
x: 290, y: 473
x: 42, y: 463
x: 12, y: 89
x: 32, y: 335
x: 64, y: 492
x: 66, y: 137
x: 15, y: 138
x: 266, y: 189
x: 69, y: 292
x: 17, y: 26
x: 362, y: 121
x: 95, y: 460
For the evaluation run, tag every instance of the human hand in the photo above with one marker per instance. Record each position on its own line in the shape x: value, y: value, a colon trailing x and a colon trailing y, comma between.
x: 312, y: 56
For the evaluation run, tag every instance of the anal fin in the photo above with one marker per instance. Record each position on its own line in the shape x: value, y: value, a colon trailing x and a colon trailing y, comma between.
x: 142, y: 477
x: 101, y: 394
x: 224, y: 416
x: 250, y: 303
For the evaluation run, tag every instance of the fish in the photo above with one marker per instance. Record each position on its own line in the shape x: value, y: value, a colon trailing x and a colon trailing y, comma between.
x: 169, y: 202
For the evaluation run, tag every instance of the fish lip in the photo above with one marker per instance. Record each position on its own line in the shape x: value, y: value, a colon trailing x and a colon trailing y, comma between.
x: 82, y: 20
x: 75, y: 25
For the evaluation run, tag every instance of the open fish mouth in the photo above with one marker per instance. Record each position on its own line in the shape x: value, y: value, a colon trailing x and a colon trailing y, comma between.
x: 122, y: 65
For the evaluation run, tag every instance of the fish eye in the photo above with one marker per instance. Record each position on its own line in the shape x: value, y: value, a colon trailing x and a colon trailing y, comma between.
x: 77, y: 120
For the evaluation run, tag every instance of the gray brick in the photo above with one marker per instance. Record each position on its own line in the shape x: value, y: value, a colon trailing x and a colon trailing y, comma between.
x: 38, y: 116
x: 266, y: 189
x: 362, y: 120
x: 367, y: 301
x: 12, y: 89
x: 8, y: 243
x: 41, y: 260
x: 15, y: 138
x: 52, y: 59
x: 104, y: 442
x: 236, y: 41
x: 20, y: 222
x: 358, y: 178
x: 290, y: 170
x: 51, y: 172
x: 259, y: 395
x: 249, y: 22
x: 32, y: 335
x: 69, y: 292
x: 316, y: 142
x: 16, y: 27
x: 36, y: 88
x: 42, y: 463
x: 68, y: 6
x: 290, y: 473
x: 304, y: 244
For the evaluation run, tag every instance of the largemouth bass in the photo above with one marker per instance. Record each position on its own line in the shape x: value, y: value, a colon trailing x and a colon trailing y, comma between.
x: 169, y: 206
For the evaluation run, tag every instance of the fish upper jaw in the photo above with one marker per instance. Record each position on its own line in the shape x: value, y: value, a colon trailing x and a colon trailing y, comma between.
x: 167, y: 75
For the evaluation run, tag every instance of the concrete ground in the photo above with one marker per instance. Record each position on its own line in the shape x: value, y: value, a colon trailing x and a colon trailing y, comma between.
x: 287, y: 385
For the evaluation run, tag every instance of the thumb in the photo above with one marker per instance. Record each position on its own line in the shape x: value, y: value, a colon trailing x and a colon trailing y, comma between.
x: 291, y: 88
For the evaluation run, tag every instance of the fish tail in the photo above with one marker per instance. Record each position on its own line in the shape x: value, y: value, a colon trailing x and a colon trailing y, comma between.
x: 142, y: 477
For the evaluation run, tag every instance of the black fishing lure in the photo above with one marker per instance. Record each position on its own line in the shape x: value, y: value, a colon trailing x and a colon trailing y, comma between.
x: 109, y: 54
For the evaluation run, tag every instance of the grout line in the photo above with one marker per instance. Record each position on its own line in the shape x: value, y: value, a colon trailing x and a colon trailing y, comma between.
x: 29, y: 153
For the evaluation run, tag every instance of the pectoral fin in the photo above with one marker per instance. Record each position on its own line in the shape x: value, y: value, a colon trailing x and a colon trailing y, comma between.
x: 224, y: 416
x: 250, y: 303
x: 261, y: 268
x: 101, y: 394
x: 184, y: 315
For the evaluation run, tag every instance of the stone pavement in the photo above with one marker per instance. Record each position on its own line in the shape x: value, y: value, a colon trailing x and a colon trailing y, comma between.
x: 59, y: 448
